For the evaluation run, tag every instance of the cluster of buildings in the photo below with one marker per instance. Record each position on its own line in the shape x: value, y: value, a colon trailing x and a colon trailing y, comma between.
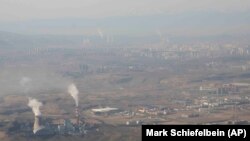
x: 152, y: 110
x: 220, y: 89
x: 45, y: 127
x: 67, y: 128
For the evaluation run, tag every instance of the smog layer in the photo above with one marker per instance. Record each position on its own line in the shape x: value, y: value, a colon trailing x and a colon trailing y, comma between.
x: 104, y: 88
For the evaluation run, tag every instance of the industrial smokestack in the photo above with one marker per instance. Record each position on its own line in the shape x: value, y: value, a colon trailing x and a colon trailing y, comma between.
x: 35, y: 105
x: 73, y: 91
x: 77, y: 115
x: 37, y: 127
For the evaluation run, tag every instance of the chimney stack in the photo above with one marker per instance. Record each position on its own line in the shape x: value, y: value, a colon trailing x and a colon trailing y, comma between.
x: 77, y: 115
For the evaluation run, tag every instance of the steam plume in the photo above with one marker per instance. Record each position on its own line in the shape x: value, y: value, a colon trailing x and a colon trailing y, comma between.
x: 35, y: 105
x: 100, y: 33
x: 73, y: 91
x: 25, y: 82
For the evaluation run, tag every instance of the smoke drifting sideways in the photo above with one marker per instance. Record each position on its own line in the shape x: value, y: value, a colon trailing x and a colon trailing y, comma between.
x: 73, y: 91
x: 35, y: 105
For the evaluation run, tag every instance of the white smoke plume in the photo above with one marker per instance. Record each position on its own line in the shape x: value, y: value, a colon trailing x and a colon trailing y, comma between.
x: 73, y: 91
x: 100, y: 33
x: 25, y: 82
x: 35, y: 105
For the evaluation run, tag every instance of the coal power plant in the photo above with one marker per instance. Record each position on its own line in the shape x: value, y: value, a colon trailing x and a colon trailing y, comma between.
x: 46, y: 126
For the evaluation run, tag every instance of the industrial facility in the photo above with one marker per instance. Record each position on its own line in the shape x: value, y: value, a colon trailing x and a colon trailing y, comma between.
x: 105, y: 111
x: 44, y: 127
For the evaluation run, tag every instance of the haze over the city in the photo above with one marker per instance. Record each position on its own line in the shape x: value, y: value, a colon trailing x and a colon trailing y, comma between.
x: 97, y: 70
x: 130, y: 17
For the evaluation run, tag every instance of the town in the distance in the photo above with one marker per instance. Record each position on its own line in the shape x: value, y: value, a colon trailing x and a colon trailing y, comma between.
x: 102, y: 88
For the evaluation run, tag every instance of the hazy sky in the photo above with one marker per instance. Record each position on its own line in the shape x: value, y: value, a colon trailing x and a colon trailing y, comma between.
x: 29, y: 10
x: 15, y: 10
